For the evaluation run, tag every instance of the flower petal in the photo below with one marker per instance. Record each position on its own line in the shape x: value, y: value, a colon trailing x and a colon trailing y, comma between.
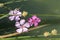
x: 11, y: 12
x: 29, y: 20
x: 25, y: 30
x: 35, y: 24
x: 17, y: 25
x: 31, y: 23
x: 19, y: 13
x: 15, y: 11
x: 27, y: 25
x: 34, y: 17
x: 11, y: 18
x: 17, y: 18
x: 38, y: 20
x: 22, y: 21
x: 19, y: 30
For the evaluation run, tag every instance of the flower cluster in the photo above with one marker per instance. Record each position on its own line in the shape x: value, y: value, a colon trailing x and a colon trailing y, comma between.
x: 21, y: 24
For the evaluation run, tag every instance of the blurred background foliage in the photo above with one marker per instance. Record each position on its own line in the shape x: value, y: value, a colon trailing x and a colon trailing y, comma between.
x: 47, y: 10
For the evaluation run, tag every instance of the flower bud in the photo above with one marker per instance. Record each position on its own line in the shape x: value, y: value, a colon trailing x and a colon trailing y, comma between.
x: 46, y: 34
x: 1, y: 4
x: 24, y: 13
x: 54, y: 32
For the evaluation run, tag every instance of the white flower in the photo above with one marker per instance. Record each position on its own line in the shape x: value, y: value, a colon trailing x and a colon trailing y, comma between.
x: 22, y: 21
x: 22, y: 30
x: 16, y: 13
x: 27, y: 25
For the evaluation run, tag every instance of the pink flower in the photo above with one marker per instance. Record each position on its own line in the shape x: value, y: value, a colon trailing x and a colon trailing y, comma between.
x: 14, y: 15
x: 34, y: 20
